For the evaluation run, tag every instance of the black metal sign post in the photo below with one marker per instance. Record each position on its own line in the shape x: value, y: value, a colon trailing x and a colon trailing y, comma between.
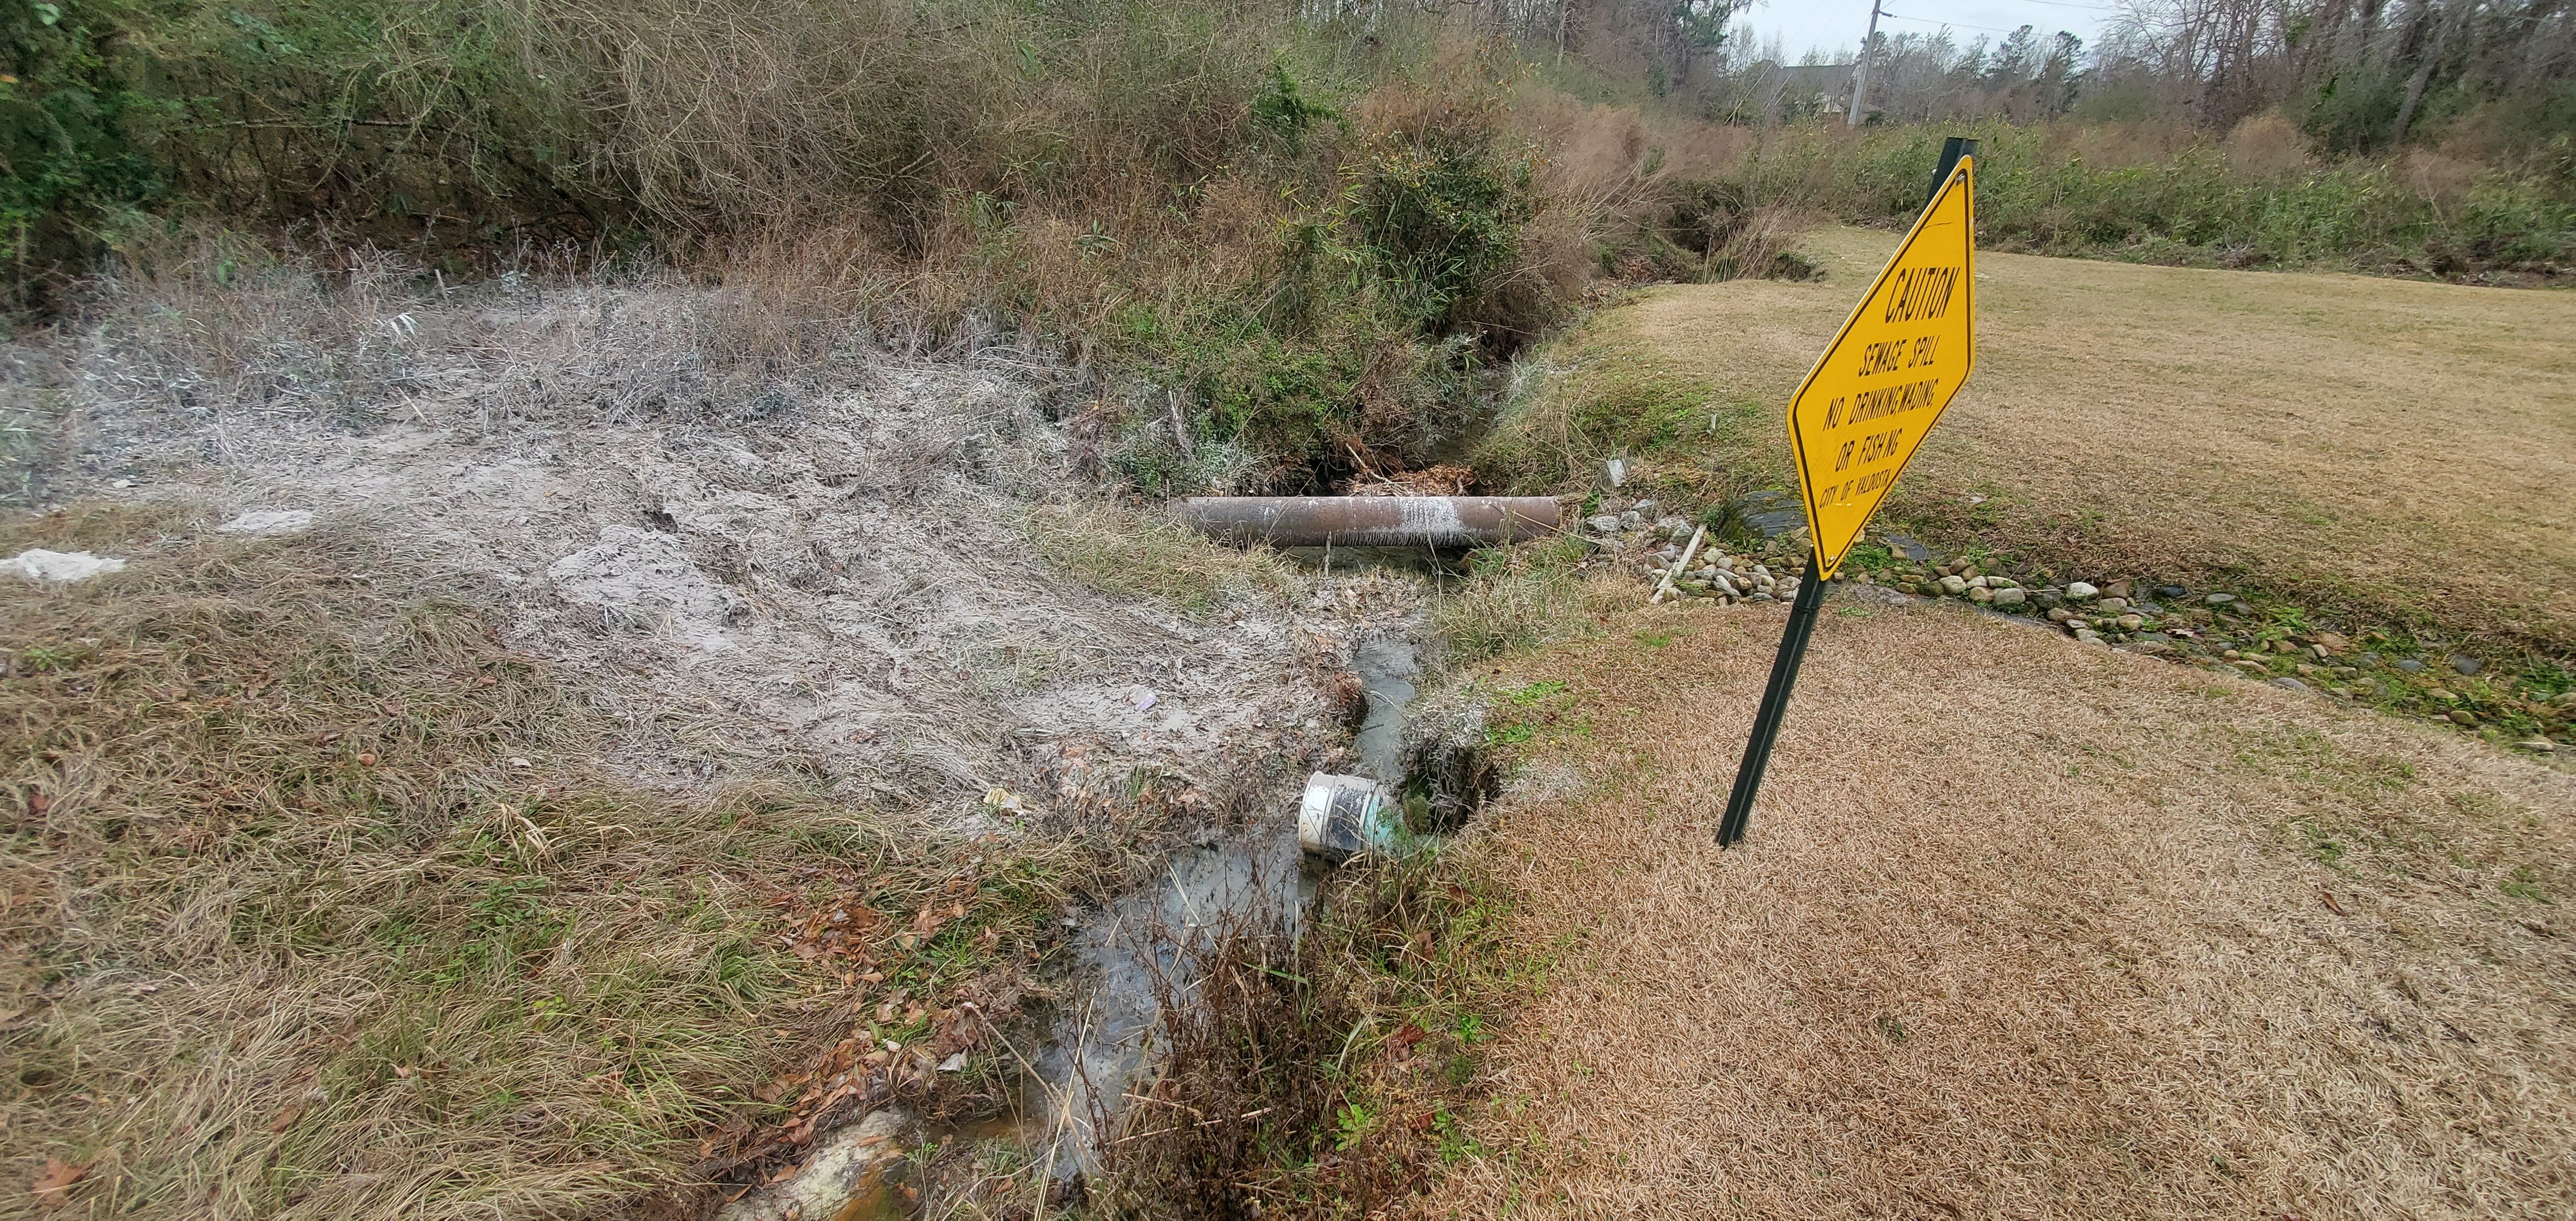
x: 1952, y: 148
x: 1802, y: 624
x: 1775, y: 702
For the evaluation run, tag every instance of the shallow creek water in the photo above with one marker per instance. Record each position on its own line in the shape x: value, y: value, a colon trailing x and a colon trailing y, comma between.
x: 1101, y: 1041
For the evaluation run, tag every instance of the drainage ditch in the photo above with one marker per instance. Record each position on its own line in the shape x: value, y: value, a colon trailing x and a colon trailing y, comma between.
x: 1136, y: 952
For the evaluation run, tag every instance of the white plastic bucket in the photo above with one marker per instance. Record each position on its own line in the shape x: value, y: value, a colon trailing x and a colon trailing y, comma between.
x: 1344, y: 816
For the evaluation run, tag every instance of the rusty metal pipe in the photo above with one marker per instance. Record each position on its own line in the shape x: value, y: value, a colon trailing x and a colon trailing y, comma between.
x: 1370, y: 521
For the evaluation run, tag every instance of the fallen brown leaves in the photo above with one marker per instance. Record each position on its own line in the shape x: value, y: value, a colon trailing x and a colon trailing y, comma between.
x: 1442, y: 480
x: 53, y: 1185
x: 872, y: 1046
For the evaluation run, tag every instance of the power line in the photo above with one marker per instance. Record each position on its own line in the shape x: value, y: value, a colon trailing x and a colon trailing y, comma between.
x: 1955, y: 25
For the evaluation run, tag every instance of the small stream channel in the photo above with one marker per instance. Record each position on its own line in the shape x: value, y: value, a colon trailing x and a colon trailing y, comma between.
x: 1100, y: 1042
x: 1254, y: 871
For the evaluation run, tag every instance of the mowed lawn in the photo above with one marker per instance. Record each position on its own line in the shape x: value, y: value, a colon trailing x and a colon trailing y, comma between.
x: 2022, y: 928
x: 2407, y: 448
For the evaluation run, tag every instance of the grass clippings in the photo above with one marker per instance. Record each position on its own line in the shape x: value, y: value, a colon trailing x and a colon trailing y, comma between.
x: 322, y: 903
x: 2022, y: 926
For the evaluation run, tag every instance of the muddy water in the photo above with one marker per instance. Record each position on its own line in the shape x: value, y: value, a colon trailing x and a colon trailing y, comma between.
x: 1134, y: 954
x: 1387, y: 666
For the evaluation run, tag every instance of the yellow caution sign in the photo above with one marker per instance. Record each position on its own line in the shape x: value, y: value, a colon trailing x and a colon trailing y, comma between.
x: 1889, y: 373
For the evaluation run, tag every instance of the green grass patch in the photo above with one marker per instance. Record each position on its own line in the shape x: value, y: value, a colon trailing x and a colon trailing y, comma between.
x: 1689, y: 442
x: 1132, y: 556
x: 1514, y: 598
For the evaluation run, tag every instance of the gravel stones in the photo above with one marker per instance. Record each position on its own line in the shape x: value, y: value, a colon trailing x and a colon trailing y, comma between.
x: 2011, y: 597
x: 2410, y: 665
x: 2219, y: 599
x: 1981, y: 595
x: 2287, y: 683
x: 1607, y: 523
x: 2172, y: 592
x: 1954, y: 586
x: 2131, y: 623
x: 2079, y: 591
x: 2466, y: 664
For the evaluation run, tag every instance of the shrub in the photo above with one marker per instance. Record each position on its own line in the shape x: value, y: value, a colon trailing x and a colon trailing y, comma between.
x: 1440, y: 215
x: 65, y: 113
x: 2255, y: 197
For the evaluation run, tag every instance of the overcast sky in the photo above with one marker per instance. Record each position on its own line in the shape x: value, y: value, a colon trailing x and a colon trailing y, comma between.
x: 1834, y: 26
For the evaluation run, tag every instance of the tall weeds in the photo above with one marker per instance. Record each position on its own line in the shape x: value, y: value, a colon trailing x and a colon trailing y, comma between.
x: 1328, y: 1070
x: 2255, y: 197
x: 1311, y: 236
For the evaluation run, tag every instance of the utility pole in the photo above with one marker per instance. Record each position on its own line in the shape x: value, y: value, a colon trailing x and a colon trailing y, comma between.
x: 1860, y: 71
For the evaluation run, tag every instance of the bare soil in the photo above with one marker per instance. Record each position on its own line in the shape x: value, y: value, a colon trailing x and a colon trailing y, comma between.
x: 888, y: 575
x: 783, y: 639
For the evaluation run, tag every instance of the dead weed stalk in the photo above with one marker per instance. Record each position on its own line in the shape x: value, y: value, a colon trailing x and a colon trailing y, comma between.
x: 1319, y: 1071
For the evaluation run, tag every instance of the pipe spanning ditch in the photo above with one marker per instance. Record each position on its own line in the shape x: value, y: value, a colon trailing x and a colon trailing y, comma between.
x: 1370, y: 521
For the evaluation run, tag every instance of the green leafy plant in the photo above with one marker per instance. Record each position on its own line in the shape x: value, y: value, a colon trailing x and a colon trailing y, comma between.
x: 1351, y: 1124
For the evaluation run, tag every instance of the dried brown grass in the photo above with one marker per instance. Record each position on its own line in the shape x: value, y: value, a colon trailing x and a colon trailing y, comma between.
x: 2394, y: 447
x: 1138, y: 558
x: 2267, y: 147
x: 1317, y: 1064
x: 744, y: 114
x: 2021, y: 928
x: 322, y: 903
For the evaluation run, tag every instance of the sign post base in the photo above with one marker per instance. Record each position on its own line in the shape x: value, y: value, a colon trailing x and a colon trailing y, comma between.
x: 1775, y: 702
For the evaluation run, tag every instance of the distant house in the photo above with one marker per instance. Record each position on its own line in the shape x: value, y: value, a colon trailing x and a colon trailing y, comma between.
x: 1805, y: 89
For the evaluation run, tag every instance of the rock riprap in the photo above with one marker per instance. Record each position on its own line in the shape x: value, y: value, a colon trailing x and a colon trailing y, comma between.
x: 2225, y: 629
